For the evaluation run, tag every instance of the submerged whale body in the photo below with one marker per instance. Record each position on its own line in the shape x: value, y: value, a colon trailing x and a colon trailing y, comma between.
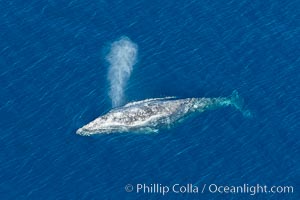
x: 150, y: 115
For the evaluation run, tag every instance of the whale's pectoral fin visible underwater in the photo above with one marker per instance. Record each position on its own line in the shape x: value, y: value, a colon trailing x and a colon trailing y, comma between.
x: 151, y: 115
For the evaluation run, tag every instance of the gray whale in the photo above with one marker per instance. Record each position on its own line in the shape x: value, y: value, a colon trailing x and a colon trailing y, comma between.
x: 150, y: 115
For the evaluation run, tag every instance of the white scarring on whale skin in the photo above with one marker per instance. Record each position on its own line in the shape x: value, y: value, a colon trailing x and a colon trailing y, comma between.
x: 150, y: 115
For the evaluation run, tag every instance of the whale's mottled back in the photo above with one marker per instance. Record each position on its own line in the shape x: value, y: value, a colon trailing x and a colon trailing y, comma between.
x: 150, y: 115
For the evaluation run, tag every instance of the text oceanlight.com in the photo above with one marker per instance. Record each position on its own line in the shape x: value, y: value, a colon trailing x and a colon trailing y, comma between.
x: 162, y: 189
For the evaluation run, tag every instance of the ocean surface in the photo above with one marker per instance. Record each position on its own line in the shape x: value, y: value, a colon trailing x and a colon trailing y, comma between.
x: 54, y: 79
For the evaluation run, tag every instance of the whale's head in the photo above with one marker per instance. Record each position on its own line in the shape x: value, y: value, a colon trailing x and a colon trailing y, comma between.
x: 92, y: 130
x: 87, y: 132
x: 102, y: 126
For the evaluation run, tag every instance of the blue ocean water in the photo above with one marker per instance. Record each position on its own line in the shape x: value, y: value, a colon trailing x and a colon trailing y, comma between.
x: 54, y: 80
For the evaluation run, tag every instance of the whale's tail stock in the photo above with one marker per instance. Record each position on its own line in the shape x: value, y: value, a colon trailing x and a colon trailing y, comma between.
x: 238, y: 103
